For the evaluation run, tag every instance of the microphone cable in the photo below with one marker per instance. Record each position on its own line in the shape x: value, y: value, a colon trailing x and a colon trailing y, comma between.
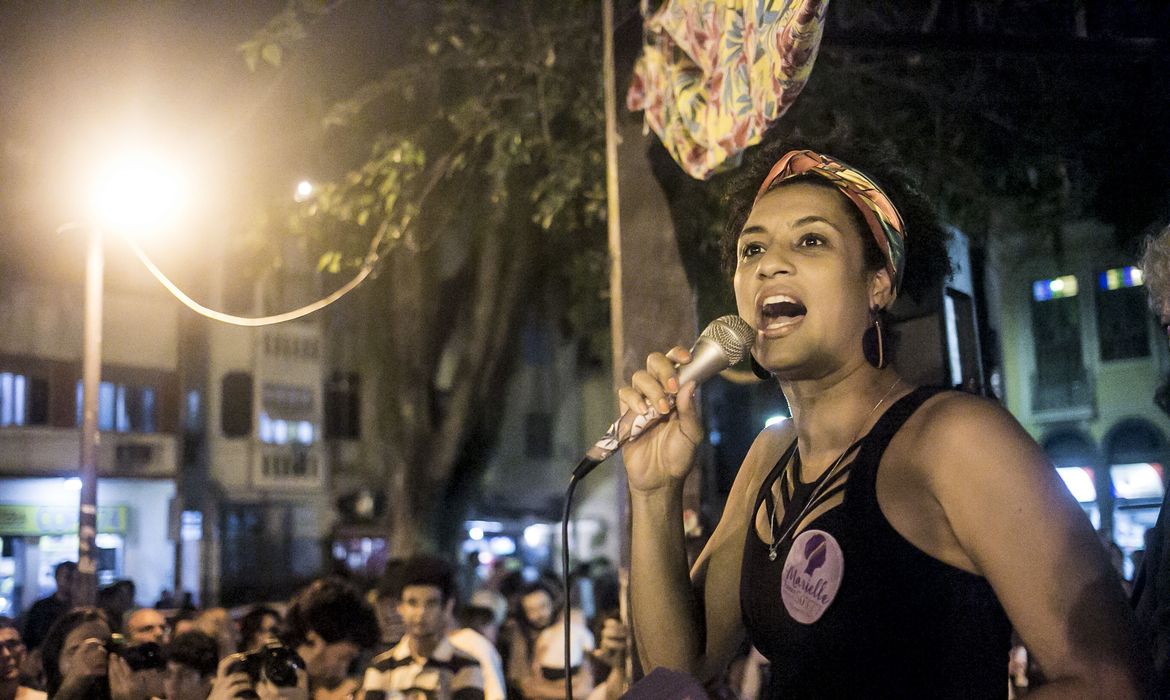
x: 583, y: 468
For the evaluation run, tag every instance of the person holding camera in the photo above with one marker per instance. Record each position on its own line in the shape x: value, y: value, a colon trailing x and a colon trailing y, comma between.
x: 85, y: 661
x: 272, y: 672
x: 328, y: 624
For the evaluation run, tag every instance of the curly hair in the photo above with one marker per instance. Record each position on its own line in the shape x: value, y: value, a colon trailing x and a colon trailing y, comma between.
x: 335, y: 610
x: 927, y: 262
x: 1155, y: 265
x: 196, y: 651
x: 420, y: 570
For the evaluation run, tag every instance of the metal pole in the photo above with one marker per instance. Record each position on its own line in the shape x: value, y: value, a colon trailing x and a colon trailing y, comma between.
x: 85, y: 586
x: 616, y: 306
x: 612, y: 200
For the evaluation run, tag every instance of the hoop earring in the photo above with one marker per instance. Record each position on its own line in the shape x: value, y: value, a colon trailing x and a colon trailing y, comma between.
x: 873, y: 343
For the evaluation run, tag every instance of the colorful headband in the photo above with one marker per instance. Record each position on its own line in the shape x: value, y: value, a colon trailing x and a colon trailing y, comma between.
x: 880, y: 213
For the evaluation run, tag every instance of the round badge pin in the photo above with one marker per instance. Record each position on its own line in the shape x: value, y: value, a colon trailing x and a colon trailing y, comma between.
x: 812, y: 575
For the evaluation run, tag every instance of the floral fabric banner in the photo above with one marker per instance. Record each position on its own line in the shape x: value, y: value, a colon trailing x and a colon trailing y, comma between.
x: 715, y: 74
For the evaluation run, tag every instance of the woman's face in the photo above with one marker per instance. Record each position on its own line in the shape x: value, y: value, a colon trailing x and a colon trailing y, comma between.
x: 800, y: 281
x: 84, y: 653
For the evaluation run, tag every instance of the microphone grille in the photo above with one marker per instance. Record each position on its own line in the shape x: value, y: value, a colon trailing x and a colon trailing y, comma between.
x: 733, y: 334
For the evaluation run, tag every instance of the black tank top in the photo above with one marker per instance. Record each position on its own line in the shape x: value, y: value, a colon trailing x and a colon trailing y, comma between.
x: 854, y: 610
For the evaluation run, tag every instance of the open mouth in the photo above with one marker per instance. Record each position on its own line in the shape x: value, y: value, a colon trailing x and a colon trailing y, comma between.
x: 779, y: 310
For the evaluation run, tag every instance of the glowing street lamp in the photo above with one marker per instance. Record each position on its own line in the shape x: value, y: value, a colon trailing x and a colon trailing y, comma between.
x: 134, y: 193
x: 304, y: 191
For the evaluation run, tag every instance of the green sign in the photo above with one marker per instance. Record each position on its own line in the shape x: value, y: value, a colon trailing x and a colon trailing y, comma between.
x: 56, y: 520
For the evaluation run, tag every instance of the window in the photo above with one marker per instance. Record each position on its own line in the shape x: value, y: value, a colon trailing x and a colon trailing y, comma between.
x: 24, y: 400
x: 236, y: 419
x: 286, y: 415
x: 1063, y: 287
x: 122, y: 408
x: 1060, y: 381
x: 1122, y: 328
x: 343, y: 406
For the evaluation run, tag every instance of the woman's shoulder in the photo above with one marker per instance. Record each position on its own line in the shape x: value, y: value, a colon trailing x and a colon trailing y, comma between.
x: 956, y: 429
x: 952, y: 414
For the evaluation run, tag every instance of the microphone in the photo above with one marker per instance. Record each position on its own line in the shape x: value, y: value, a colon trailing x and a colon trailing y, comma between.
x: 723, y: 343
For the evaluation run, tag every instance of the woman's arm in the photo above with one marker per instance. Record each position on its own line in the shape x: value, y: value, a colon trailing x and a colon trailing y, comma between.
x: 1012, y: 516
x: 692, y: 622
x: 684, y: 621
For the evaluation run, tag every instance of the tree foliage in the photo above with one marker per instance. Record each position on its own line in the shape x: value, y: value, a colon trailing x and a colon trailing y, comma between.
x: 478, y: 184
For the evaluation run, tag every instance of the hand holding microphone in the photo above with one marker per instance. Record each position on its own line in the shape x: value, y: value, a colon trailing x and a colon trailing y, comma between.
x: 651, y: 399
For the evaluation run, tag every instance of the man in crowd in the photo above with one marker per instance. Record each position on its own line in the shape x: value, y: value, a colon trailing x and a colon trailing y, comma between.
x: 12, y: 656
x: 424, y: 663
x: 192, y: 658
x: 46, y: 611
x: 147, y: 625
x: 475, y: 634
x: 386, y: 606
x: 1151, y: 586
x: 535, y: 663
x: 328, y: 624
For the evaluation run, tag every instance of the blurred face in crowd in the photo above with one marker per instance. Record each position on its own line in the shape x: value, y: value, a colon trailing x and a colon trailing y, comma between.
x: 269, y: 628
x: 423, y: 611
x: 64, y: 578
x: 147, y: 625
x: 327, y: 663
x: 12, y: 654
x: 84, y: 653
x: 219, y: 625
x: 389, y: 620
x: 538, y: 609
x: 182, y: 626
x: 185, y: 683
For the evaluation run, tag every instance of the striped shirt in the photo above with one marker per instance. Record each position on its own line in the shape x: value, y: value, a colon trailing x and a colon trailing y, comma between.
x: 447, y: 674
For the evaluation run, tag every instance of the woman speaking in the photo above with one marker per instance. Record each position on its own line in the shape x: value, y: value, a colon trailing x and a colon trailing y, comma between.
x: 884, y: 542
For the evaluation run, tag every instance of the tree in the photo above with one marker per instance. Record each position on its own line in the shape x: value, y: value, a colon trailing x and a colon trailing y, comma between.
x: 481, y: 182
x: 1015, y: 116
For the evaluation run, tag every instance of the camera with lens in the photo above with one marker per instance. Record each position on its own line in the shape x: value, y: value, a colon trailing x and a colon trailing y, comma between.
x: 273, y: 661
x: 139, y: 657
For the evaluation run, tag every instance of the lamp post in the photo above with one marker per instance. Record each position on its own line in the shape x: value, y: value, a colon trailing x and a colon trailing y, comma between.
x: 134, y: 193
x: 85, y: 587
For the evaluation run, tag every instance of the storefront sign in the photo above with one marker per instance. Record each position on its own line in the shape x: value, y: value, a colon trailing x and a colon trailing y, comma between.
x: 56, y: 520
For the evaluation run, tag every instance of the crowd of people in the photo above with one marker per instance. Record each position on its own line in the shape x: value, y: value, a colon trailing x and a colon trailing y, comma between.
x: 411, y: 636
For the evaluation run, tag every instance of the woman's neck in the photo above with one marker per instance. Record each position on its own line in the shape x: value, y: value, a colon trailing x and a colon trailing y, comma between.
x: 830, y: 413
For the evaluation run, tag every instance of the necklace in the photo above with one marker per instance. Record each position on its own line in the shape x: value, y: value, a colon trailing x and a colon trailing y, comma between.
x: 825, y: 478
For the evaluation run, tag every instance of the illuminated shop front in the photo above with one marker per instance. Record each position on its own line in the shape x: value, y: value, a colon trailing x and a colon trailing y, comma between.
x: 1120, y: 485
x: 38, y: 529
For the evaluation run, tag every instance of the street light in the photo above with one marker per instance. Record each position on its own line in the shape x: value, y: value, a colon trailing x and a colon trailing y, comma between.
x: 133, y: 193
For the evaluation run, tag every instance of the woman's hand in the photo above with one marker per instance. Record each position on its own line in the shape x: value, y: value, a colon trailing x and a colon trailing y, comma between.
x: 664, y: 454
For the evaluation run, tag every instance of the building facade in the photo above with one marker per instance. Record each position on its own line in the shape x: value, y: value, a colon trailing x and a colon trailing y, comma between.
x: 1081, y: 360
x: 139, y: 421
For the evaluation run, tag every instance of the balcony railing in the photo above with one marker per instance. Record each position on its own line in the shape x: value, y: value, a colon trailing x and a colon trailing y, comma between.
x: 293, y: 466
